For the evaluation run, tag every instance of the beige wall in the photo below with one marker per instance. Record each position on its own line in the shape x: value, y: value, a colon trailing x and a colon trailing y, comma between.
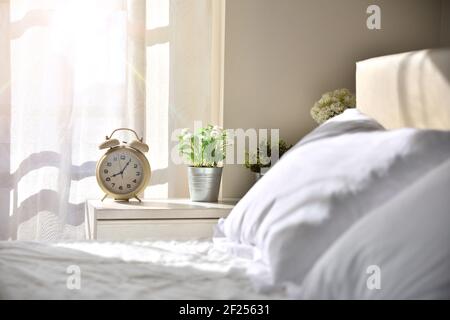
x: 445, y: 23
x: 281, y: 55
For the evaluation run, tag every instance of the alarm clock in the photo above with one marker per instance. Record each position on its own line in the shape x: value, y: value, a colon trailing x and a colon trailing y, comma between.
x: 123, y: 171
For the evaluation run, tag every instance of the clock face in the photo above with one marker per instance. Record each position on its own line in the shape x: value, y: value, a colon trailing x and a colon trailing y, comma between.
x: 121, y: 171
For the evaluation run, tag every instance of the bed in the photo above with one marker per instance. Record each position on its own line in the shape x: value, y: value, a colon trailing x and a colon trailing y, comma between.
x: 124, y: 270
x: 371, y: 219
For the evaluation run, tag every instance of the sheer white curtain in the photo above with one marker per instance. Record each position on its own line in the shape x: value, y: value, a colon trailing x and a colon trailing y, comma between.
x: 68, y: 85
x: 73, y: 70
x: 184, y: 55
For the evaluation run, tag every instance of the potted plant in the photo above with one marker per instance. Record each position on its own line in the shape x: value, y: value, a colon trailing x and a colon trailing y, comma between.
x: 331, y: 104
x: 204, y: 151
x: 259, y: 162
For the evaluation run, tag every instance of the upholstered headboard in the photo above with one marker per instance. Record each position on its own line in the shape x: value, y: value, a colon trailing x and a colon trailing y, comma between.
x: 406, y: 90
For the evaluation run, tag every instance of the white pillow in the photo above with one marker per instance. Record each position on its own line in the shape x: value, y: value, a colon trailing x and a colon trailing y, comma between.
x: 399, y: 251
x: 320, y: 188
x: 350, y: 121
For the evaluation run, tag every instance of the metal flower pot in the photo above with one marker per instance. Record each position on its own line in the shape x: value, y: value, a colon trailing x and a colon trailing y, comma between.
x: 204, y: 183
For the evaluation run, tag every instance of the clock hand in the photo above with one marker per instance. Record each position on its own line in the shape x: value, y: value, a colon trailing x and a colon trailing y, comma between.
x: 116, y: 174
x: 120, y: 172
x: 126, y: 166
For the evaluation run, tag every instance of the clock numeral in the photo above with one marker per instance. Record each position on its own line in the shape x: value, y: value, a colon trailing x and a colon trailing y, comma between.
x: 134, y: 180
x: 105, y: 171
x: 122, y: 157
x: 120, y: 188
x: 135, y: 166
x: 109, y: 164
x: 113, y: 184
x: 108, y: 179
x: 129, y: 186
x: 138, y: 174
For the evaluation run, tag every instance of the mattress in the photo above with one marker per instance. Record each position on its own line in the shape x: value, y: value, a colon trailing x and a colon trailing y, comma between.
x: 125, y: 270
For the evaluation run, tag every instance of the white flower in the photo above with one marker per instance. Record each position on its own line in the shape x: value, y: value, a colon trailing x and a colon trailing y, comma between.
x: 331, y: 104
x: 216, y: 132
x: 184, y: 131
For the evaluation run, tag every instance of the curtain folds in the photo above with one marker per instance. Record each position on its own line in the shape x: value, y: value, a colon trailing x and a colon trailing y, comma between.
x: 71, y: 71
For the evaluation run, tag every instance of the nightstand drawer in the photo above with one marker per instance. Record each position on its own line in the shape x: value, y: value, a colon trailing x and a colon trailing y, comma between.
x: 179, y: 229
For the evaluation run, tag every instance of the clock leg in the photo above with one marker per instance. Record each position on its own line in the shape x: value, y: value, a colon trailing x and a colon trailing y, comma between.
x: 104, y: 197
x: 138, y: 198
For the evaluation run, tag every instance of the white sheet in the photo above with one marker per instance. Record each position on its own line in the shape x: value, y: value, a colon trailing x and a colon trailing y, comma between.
x: 133, y: 270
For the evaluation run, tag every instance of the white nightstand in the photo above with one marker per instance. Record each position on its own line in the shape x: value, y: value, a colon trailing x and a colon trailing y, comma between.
x: 174, y: 219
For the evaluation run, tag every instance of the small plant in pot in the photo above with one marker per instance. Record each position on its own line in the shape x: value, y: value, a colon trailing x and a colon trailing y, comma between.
x: 204, y: 151
x: 260, y: 161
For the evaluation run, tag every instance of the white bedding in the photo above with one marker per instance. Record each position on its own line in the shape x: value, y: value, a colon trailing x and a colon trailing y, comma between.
x: 126, y: 270
x: 404, y: 244
x: 322, y: 186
